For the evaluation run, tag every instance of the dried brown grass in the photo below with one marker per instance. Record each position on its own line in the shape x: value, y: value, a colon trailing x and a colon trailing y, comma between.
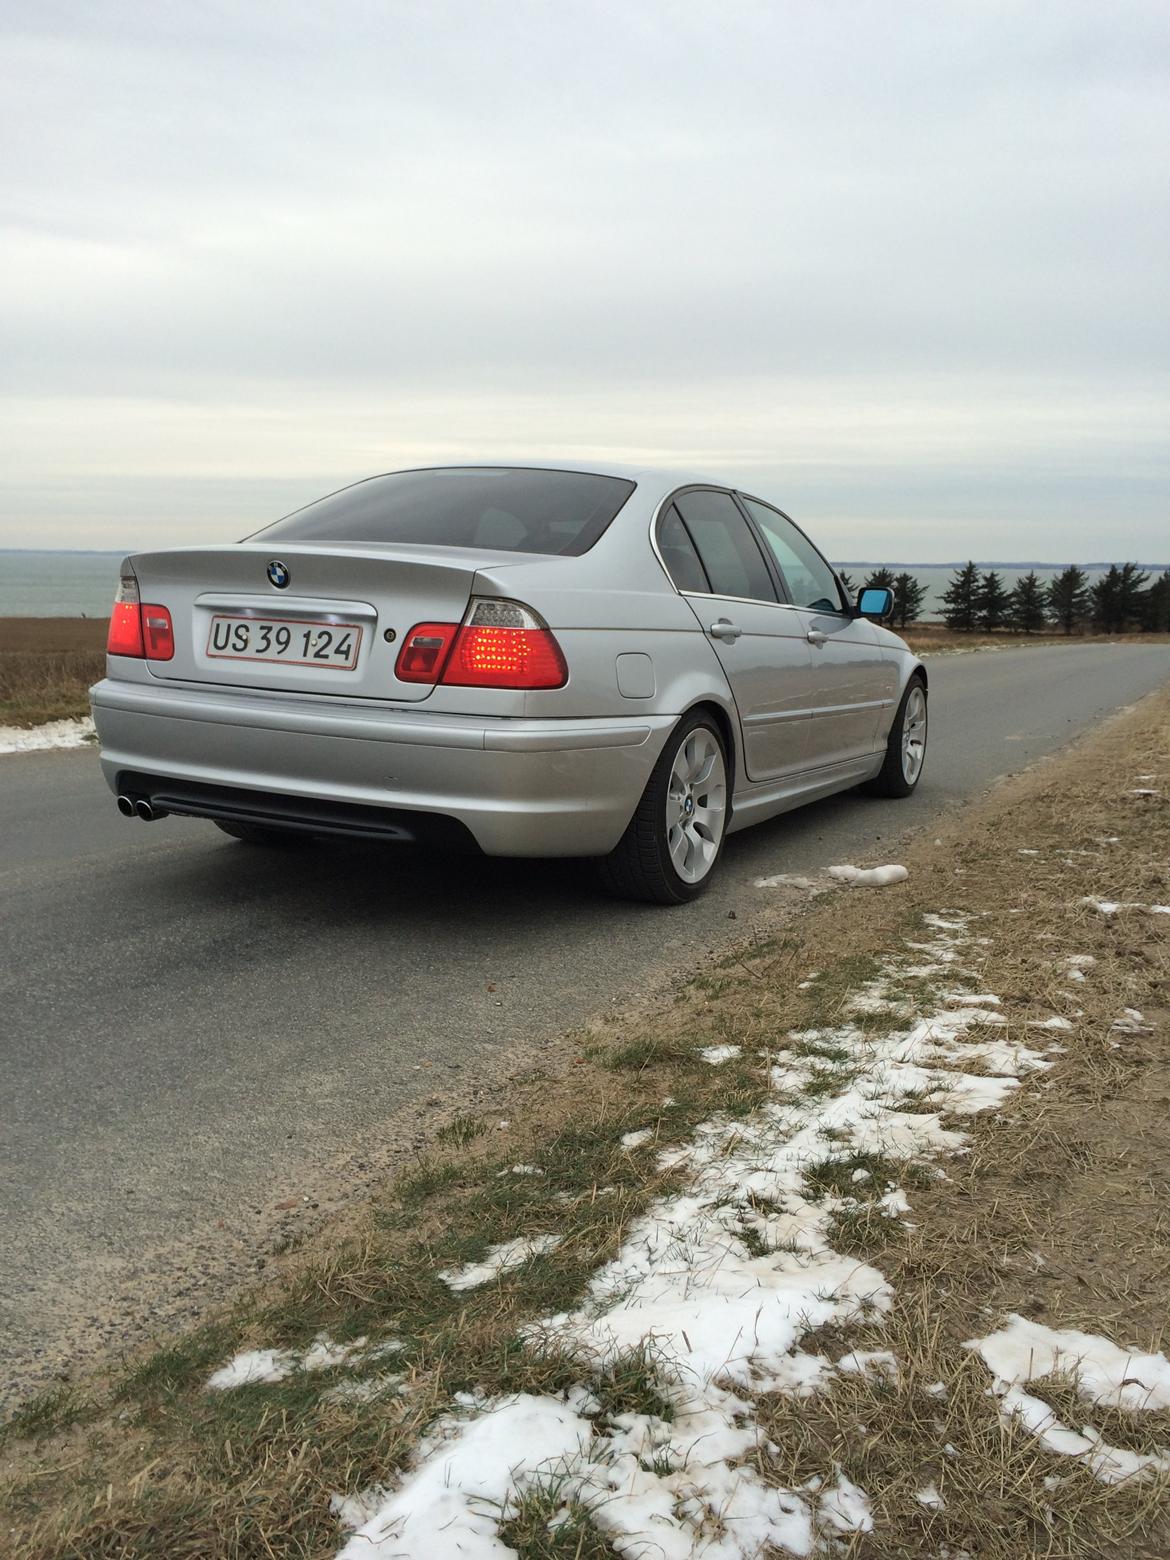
x: 47, y: 666
x: 924, y: 637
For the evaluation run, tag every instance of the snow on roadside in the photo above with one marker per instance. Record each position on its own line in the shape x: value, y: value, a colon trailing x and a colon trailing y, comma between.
x: 857, y: 877
x: 267, y: 1365
x: 465, y: 1476
x: 718, y: 1054
x: 869, y: 877
x: 713, y: 1290
x: 1022, y: 1352
x: 508, y: 1254
x: 52, y: 734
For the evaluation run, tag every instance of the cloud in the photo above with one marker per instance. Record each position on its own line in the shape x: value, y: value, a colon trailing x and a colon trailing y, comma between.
x: 905, y: 261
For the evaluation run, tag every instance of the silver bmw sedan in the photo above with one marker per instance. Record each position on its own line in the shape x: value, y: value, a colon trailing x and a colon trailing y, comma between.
x: 627, y: 665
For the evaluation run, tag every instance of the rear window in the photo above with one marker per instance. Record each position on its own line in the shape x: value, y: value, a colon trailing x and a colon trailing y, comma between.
x: 508, y: 509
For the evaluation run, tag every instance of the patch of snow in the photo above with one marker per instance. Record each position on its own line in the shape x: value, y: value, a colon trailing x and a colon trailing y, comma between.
x: 1131, y: 1022
x: 1144, y: 790
x: 790, y: 880
x: 465, y: 1480
x: 870, y: 1362
x: 1027, y: 853
x: 1023, y: 1351
x: 869, y: 877
x: 362, y: 1389
x: 1055, y: 1022
x: 636, y: 1139
x: 269, y: 1365
x: 846, y: 1507
x: 52, y: 734
x: 508, y: 1254
x: 929, y: 1497
x: 717, y: 1054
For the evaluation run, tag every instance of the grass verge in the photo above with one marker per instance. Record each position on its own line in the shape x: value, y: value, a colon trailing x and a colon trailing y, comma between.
x: 47, y: 667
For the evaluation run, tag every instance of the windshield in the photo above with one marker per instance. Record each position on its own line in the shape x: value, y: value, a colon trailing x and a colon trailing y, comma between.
x: 498, y: 508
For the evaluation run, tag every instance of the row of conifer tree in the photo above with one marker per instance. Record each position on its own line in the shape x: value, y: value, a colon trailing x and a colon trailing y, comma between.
x: 1122, y: 599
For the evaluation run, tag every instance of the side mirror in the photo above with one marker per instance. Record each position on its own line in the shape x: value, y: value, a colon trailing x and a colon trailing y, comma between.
x: 875, y: 602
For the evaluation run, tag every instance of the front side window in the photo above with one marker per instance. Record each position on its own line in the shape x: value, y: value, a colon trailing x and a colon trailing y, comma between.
x: 731, y: 559
x: 811, y: 582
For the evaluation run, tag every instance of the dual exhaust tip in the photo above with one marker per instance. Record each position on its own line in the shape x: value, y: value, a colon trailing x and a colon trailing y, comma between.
x: 129, y: 808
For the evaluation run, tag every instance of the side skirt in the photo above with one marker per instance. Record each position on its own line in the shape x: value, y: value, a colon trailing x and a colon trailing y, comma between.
x: 755, y: 803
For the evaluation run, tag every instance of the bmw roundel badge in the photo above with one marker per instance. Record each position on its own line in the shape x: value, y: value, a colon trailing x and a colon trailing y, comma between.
x: 278, y: 574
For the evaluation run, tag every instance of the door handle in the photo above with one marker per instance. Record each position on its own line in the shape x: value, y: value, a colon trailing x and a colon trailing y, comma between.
x: 815, y: 637
x: 725, y: 630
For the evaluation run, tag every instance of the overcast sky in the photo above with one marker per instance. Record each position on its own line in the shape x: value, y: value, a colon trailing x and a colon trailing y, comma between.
x: 902, y: 267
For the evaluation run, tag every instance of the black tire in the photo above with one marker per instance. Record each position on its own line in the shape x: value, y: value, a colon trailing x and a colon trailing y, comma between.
x: 641, y: 866
x: 262, y: 834
x: 891, y: 779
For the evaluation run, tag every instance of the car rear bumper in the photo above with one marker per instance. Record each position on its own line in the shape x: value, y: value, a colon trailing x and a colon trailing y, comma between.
x: 518, y: 787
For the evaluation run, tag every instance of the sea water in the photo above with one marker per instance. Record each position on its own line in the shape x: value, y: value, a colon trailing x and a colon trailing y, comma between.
x: 58, y: 584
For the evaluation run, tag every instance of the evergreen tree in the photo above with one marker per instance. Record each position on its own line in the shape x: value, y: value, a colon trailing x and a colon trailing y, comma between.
x: 1155, y: 606
x: 880, y: 579
x: 991, y: 602
x: 847, y: 584
x: 908, y: 598
x: 1026, y: 604
x: 1068, y: 598
x: 959, y: 598
x: 1116, y: 598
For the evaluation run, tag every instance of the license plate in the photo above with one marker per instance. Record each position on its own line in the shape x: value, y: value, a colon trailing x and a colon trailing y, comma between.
x: 289, y: 641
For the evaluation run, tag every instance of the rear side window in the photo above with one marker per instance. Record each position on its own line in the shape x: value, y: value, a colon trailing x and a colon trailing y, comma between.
x: 723, y: 540
x: 679, y: 555
x: 811, y: 582
x: 506, y: 509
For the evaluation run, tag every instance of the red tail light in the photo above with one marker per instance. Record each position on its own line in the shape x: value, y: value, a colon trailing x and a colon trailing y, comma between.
x: 424, y: 650
x: 144, y: 632
x: 157, y: 633
x: 499, y: 644
x: 125, y: 636
x: 505, y: 658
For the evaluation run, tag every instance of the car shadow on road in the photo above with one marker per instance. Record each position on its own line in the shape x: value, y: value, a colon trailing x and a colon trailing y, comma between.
x: 365, y: 883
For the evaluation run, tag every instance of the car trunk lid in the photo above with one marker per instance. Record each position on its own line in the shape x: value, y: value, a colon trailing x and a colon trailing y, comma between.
x: 302, y: 619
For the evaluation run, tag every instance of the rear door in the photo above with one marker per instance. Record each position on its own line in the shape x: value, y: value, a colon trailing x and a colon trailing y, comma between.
x: 851, y: 683
x: 716, y: 563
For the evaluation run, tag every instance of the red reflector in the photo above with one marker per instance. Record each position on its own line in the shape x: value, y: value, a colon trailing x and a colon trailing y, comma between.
x: 125, y: 636
x: 424, y: 650
x: 506, y: 658
x: 158, y: 635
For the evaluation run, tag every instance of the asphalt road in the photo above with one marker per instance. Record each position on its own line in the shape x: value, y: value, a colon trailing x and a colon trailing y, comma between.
x: 189, y: 1027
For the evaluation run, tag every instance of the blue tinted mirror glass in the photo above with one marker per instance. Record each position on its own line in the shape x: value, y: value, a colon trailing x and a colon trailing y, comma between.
x: 875, y: 602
